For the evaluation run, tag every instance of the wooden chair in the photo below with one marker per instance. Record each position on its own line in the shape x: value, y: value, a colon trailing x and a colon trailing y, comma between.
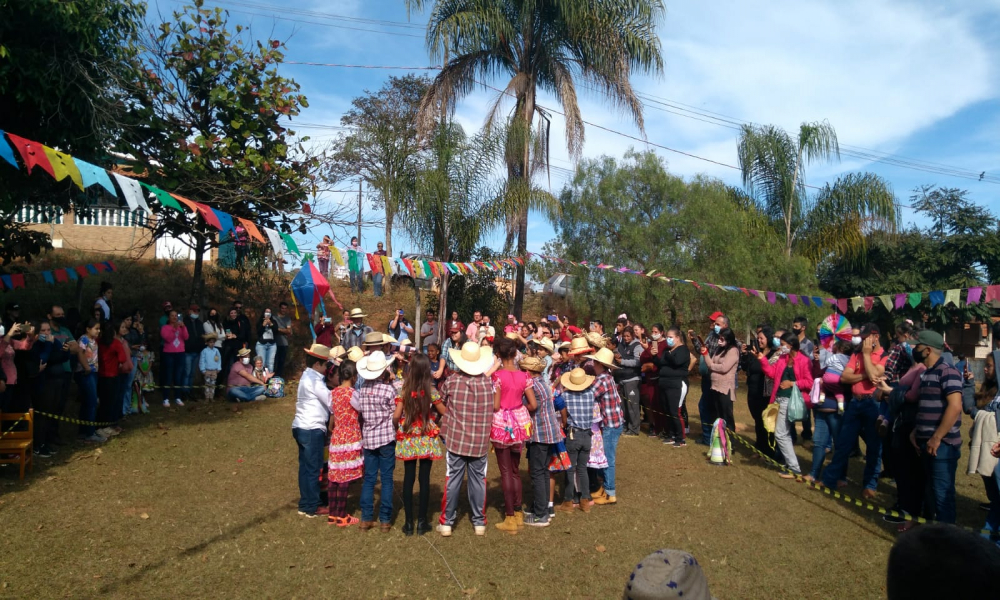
x: 17, y: 442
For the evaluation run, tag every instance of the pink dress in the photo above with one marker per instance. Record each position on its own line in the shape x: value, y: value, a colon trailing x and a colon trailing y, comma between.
x: 512, y: 423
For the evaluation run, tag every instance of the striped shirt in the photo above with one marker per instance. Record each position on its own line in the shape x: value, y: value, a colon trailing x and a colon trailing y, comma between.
x: 580, y: 406
x: 546, y: 429
x: 936, y: 384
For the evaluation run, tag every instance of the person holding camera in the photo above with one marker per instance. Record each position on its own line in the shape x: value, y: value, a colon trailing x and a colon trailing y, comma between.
x: 399, y: 327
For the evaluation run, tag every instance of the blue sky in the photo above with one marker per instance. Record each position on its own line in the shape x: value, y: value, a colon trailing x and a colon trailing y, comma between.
x: 916, y: 80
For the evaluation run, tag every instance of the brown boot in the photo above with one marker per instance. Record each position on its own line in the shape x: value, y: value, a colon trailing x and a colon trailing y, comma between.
x: 606, y: 500
x: 585, y: 505
x: 366, y: 525
x: 519, y: 518
x: 566, y: 506
x: 509, y: 525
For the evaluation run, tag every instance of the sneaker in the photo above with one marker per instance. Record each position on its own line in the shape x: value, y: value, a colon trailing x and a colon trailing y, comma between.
x: 552, y: 511
x: 42, y: 452
x: 892, y: 519
x: 535, y: 521
x: 680, y: 444
x: 308, y: 515
x: 166, y: 403
x: 179, y: 402
x: 259, y: 398
x: 95, y: 438
x: 653, y: 433
x: 480, y: 529
x: 445, y: 530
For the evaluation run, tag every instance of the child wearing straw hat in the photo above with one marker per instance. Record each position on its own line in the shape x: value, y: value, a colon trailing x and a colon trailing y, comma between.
x: 209, y: 363
x: 610, y: 403
x: 376, y: 401
x: 579, y: 397
x: 546, y: 433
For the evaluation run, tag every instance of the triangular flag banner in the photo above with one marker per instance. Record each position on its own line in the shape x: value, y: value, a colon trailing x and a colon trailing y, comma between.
x: 208, y: 215
x: 61, y: 276
x: 953, y: 297
x: 17, y: 280
x: 374, y: 263
x: 82, y: 271
x: 886, y: 301
x: 387, y: 266
x: 937, y: 297
x: 841, y: 305
x: 817, y: 301
x: 31, y: 153
x: 6, y: 152
x: 252, y: 230
x: 132, y: 191
x: 7, y: 283
x: 771, y: 298
x: 915, y: 298
x: 275, y: 240
x: 337, y: 256
x: 992, y: 293
x: 191, y: 205
x: 869, y: 303
x: 900, y: 301
x: 47, y: 276
x: 857, y: 303
x: 108, y: 266
x: 165, y: 199
x: 71, y: 273
x: 793, y: 298
x: 354, y: 260
x: 94, y: 175
x: 225, y: 222
x: 975, y: 294
x: 291, y: 244
x: 409, y: 266
x: 63, y: 166
x: 92, y: 269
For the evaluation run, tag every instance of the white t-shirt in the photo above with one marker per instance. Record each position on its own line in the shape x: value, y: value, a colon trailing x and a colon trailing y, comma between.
x: 312, y: 406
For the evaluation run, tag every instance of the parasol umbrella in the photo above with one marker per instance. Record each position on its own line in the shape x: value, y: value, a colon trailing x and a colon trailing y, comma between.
x: 833, y: 328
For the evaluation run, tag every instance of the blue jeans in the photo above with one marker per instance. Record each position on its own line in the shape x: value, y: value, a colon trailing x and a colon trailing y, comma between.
x: 267, y: 352
x: 826, y: 426
x: 357, y: 281
x: 88, y: 401
x: 859, y: 418
x: 377, y: 283
x: 940, y: 471
x: 245, y: 393
x: 381, y: 460
x: 311, y: 443
x: 611, y: 436
x: 190, y: 366
x: 172, y: 368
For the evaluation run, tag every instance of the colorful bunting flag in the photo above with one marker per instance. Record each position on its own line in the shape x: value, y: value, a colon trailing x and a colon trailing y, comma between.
x: 291, y: 244
x: 886, y: 301
x: 94, y: 175
x: 47, y: 276
x: 915, y: 299
x: 975, y: 294
x: 952, y: 297
x: 275, y: 240
x: 31, y: 153
x: 132, y: 191
x: 226, y: 226
x: 6, y: 152
x: 63, y: 166
x: 253, y: 231
x: 937, y: 297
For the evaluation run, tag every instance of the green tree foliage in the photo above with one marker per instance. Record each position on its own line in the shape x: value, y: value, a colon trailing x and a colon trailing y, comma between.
x: 61, y: 67
x: 837, y: 220
x: 633, y: 213
x: 211, y: 124
x: 960, y: 249
x: 539, y: 46
x: 382, y: 145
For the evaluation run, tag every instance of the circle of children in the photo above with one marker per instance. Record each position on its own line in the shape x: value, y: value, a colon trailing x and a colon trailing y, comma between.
x: 566, y: 397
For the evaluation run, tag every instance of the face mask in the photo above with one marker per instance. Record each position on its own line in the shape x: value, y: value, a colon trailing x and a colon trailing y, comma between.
x: 656, y: 336
x: 43, y: 337
x: 908, y: 348
x: 245, y: 361
x: 856, y: 340
x: 267, y: 315
x: 670, y: 341
x: 796, y: 331
x: 717, y: 330
x: 919, y: 355
x: 775, y: 342
x: 194, y: 315
x: 784, y: 350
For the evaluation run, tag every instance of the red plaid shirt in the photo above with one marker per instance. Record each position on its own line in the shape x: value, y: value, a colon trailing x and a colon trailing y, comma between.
x: 466, y: 426
x: 606, y: 394
x: 377, y: 402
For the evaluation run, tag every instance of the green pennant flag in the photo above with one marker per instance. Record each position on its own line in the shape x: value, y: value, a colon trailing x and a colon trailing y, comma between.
x: 165, y: 199
x: 915, y: 298
x: 354, y: 260
x: 290, y: 243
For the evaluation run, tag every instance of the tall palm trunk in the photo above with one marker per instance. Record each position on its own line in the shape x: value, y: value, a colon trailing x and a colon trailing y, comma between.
x: 526, y: 111
x: 791, y: 206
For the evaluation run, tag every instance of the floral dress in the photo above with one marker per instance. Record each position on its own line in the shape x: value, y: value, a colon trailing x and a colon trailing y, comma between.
x: 597, y: 458
x: 345, y: 462
x: 420, y: 441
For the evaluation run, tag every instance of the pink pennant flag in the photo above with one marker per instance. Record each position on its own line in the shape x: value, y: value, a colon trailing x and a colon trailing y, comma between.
x: 992, y: 293
x: 869, y: 303
x: 975, y: 295
x: 842, y: 305
x: 793, y: 298
x: 771, y: 297
x: 900, y: 301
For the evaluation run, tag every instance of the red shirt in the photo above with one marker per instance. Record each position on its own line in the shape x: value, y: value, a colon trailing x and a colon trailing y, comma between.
x: 109, y: 358
x: 857, y: 364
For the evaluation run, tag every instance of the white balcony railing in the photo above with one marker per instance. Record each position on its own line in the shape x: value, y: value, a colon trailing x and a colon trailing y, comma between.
x: 107, y: 216
x: 39, y: 214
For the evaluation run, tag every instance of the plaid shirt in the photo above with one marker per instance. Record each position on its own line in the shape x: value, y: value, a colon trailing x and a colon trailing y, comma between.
x: 376, y: 402
x: 606, y: 393
x: 580, y: 406
x: 546, y: 429
x: 445, y: 347
x: 466, y: 426
x: 897, y: 364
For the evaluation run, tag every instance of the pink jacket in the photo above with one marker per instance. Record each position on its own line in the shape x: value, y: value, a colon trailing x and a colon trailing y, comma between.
x: 173, y: 339
x: 803, y: 367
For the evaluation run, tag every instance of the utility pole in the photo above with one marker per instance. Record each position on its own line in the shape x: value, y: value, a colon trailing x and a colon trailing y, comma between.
x: 360, y: 181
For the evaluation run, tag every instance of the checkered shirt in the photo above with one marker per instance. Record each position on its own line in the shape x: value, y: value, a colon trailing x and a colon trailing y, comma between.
x: 377, y: 401
x: 466, y: 426
x: 606, y: 393
x: 580, y: 406
x: 546, y: 429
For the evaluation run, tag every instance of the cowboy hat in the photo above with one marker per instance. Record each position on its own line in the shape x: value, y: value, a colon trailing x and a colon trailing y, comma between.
x: 355, y: 354
x: 316, y: 350
x: 605, y: 357
x: 578, y: 346
x: 510, y: 335
x: 561, y: 346
x: 357, y: 313
x: 373, y: 365
x: 337, y: 352
x: 405, y: 342
x: 246, y: 352
x: 388, y: 339
x: 210, y: 336
x: 374, y: 338
x: 472, y: 359
x: 595, y: 339
x: 770, y: 417
x: 667, y: 574
x: 533, y: 364
x: 576, y: 380
x: 546, y: 343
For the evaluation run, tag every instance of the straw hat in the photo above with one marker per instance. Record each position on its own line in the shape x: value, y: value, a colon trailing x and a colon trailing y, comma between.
x: 374, y: 338
x: 579, y: 345
x: 561, y: 345
x: 357, y: 313
x: 373, y: 365
x: 533, y: 364
x: 246, y: 351
x: 668, y: 574
x: 546, y: 343
x: 576, y: 380
x: 337, y: 352
x: 210, y: 336
x: 316, y: 350
x: 770, y: 417
x: 388, y: 339
x: 355, y: 354
x: 510, y: 335
x: 605, y: 357
x: 405, y: 342
x: 595, y: 339
x: 472, y: 359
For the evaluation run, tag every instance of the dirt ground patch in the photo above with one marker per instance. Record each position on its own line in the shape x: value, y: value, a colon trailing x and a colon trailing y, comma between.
x: 201, y: 501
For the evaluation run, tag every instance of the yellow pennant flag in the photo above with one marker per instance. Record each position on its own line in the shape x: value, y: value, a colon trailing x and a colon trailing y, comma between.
x: 952, y: 296
x: 386, y: 266
x: 857, y: 302
x: 63, y: 166
x: 336, y: 256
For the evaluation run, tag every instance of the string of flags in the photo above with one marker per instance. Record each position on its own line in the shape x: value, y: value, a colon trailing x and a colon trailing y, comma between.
x: 83, y: 174
x: 14, y: 281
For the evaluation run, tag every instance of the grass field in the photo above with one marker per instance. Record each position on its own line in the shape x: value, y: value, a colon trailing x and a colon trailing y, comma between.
x: 200, y: 501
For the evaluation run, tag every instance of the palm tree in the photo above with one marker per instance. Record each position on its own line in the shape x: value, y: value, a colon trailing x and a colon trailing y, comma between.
x: 838, y: 219
x: 539, y: 46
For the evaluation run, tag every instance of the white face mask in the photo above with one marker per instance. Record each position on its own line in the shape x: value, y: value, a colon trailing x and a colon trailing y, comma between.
x: 245, y: 361
x: 267, y: 315
x: 656, y: 336
x: 856, y: 340
x: 784, y: 350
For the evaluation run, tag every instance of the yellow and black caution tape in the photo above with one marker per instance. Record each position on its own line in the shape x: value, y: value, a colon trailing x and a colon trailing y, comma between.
x: 72, y: 420
x: 12, y: 427
x: 859, y: 502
